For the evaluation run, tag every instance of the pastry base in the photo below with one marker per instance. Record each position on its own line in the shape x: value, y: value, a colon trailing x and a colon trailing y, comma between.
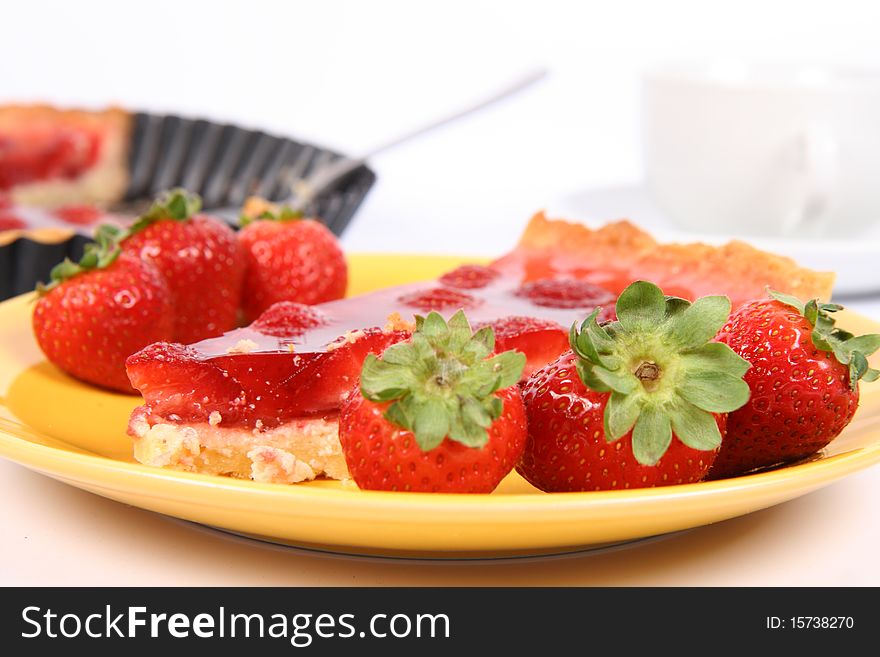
x: 299, y: 450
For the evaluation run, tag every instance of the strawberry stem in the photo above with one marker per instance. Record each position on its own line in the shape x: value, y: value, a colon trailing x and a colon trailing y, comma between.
x: 97, y: 255
x: 847, y: 348
x: 177, y: 204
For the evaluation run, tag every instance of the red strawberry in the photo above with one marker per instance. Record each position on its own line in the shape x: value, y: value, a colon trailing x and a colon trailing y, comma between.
x: 565, y: 293
x: 97, y: 312
x: 639, y: 402
x: 290, y: 259
x: 439, y: 298
x: 469, y: 277
x: 324, y: 379
x: 541, y: 340
x: 434, y: 414
x: 168, y: 374
x: 804, y: 382
x: 200, y: 259
x: 80, y: 215
x: 287, y: 319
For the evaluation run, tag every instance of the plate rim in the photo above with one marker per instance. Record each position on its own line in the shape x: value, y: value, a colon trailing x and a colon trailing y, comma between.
x: 105, y: 475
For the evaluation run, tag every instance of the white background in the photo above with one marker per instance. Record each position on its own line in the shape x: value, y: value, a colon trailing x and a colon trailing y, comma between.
x: 348, y: 75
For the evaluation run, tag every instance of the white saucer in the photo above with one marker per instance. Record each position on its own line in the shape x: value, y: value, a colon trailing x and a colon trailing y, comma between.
x: 854, y: 259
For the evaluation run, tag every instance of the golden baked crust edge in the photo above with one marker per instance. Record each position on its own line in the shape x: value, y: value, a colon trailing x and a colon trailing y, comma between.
x: 622, y: 241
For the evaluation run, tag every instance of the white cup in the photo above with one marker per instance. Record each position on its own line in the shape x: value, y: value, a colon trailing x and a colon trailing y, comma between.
x: 752, y: 149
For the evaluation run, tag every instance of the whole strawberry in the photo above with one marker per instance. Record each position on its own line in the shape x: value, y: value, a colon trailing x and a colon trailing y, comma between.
x: 97, y: 312
x: 435, y: 413
x: 200, y: 259
x: 639, y: 402
x: 289, y: 259
x: 804, y: 382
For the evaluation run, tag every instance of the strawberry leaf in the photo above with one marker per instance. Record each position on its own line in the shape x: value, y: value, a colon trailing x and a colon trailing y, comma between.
x: 695, y: 427
x: 718, y: 392
x: 640, y: 305
x: 651, y: 435
x: 675, y: 305
x: 715, y: 356
x: 662, y: 369
x: 176, y: 204
x: 866, y: 344
x: 442, y: 382
x: 788, y: 300
x: 621, y: 414
x: 848, y: 349
x: 99, y: 254
x: 430, y: 422
x: 699, y: 322
x: 619, y: 379
x: 507, y: 368
x: 871, y: 375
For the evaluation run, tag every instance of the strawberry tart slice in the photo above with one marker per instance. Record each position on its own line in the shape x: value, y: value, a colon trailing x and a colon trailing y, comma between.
x: 262, y: 402
x: 52, y: 157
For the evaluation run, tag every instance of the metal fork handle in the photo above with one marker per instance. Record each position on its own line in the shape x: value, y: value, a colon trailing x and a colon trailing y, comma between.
x: 305, y: 190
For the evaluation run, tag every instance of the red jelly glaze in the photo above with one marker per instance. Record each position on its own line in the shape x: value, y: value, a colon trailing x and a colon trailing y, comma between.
x: 9, y: 221
x: 46, y: 154
x: 297, y: 361
x: 79, y: 215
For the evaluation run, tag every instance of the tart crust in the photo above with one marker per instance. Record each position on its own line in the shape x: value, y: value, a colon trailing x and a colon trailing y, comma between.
x: 298, y: 450
x: 711, y: 267
x: 103, y: 183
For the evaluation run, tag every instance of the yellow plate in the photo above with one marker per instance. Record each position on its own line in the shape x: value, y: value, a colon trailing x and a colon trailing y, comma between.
x: 76, y: 434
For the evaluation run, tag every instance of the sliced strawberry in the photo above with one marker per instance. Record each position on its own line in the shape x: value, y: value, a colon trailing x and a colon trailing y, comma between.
x: 9, y: 221
x: 541, y: 340
x: 469, y: 277
x: 565, y: 293
x: 324, y: 379
x: 180, y: 382
x: 175, y: 381
x: 288, y: 319
x: 79, y: 215
x: 439, y: 298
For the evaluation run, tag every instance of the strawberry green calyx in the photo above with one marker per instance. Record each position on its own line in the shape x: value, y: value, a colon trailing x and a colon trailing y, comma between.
x: 442, y: 381
x: 99, y: 254
x: 283, y: 213
x: 176, y: 204
x: 663, y: 371
x: 848, y: 349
